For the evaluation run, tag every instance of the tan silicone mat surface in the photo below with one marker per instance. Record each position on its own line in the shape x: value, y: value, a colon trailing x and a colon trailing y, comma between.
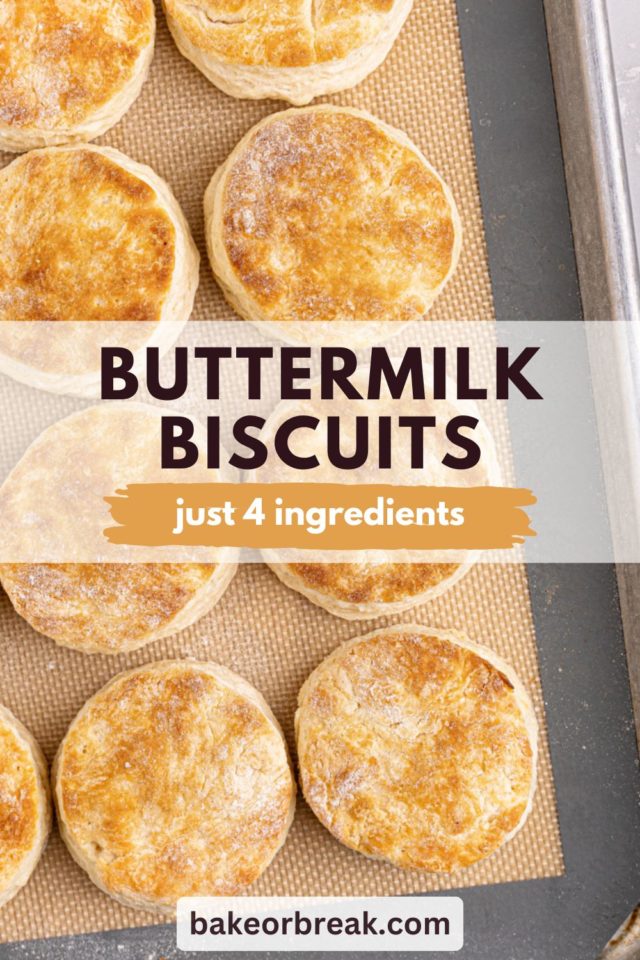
x: 183, y: 127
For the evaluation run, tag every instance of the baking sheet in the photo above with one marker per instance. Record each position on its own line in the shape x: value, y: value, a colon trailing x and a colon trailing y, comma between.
x: 592, y: 117
x: 184, y: 128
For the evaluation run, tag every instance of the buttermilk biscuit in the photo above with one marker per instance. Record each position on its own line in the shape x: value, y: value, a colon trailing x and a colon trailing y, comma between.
x: 361, y: 585
x: 174, y: 781
x: 417, y: 747
x: 52, y: 504
x: 327, y: 215
x: 88, y: 234
x: 286, y: 49
x: 70, y: 69
x: 25, y: 807
x: 368, y: 589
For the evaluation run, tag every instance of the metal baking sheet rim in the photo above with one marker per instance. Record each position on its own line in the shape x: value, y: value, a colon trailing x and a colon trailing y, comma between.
x: 605, y: 242
x: 584, y: 78
x: 606, y: 250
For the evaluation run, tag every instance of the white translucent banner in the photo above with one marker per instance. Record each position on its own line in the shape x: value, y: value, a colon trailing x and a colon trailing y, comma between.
x: 445, y: 443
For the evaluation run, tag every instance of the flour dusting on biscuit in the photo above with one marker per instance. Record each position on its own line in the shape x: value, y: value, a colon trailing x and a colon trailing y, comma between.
x: 417, y: 747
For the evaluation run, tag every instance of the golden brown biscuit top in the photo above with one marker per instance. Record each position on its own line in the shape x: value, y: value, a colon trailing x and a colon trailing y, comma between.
x: 19, y: 804
x: 82, y: 239
x: 414, y: 749
x: 174, y: 784
x: 63, y: 60
x: 372, y: 582
x: 327, y: 216
x: 108, y: 606
x: 280, y: 33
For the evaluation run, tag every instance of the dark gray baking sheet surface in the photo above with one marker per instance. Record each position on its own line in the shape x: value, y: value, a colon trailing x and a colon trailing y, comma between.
x: 577, y: 618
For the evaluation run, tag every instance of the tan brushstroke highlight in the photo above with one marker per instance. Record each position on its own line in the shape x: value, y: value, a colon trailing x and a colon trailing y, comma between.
x: 494, y: 517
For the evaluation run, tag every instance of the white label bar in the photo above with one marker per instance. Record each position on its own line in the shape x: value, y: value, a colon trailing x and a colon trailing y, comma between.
x: 260, y: 924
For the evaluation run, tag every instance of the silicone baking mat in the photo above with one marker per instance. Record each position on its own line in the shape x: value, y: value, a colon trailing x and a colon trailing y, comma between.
x: 183, y: 127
